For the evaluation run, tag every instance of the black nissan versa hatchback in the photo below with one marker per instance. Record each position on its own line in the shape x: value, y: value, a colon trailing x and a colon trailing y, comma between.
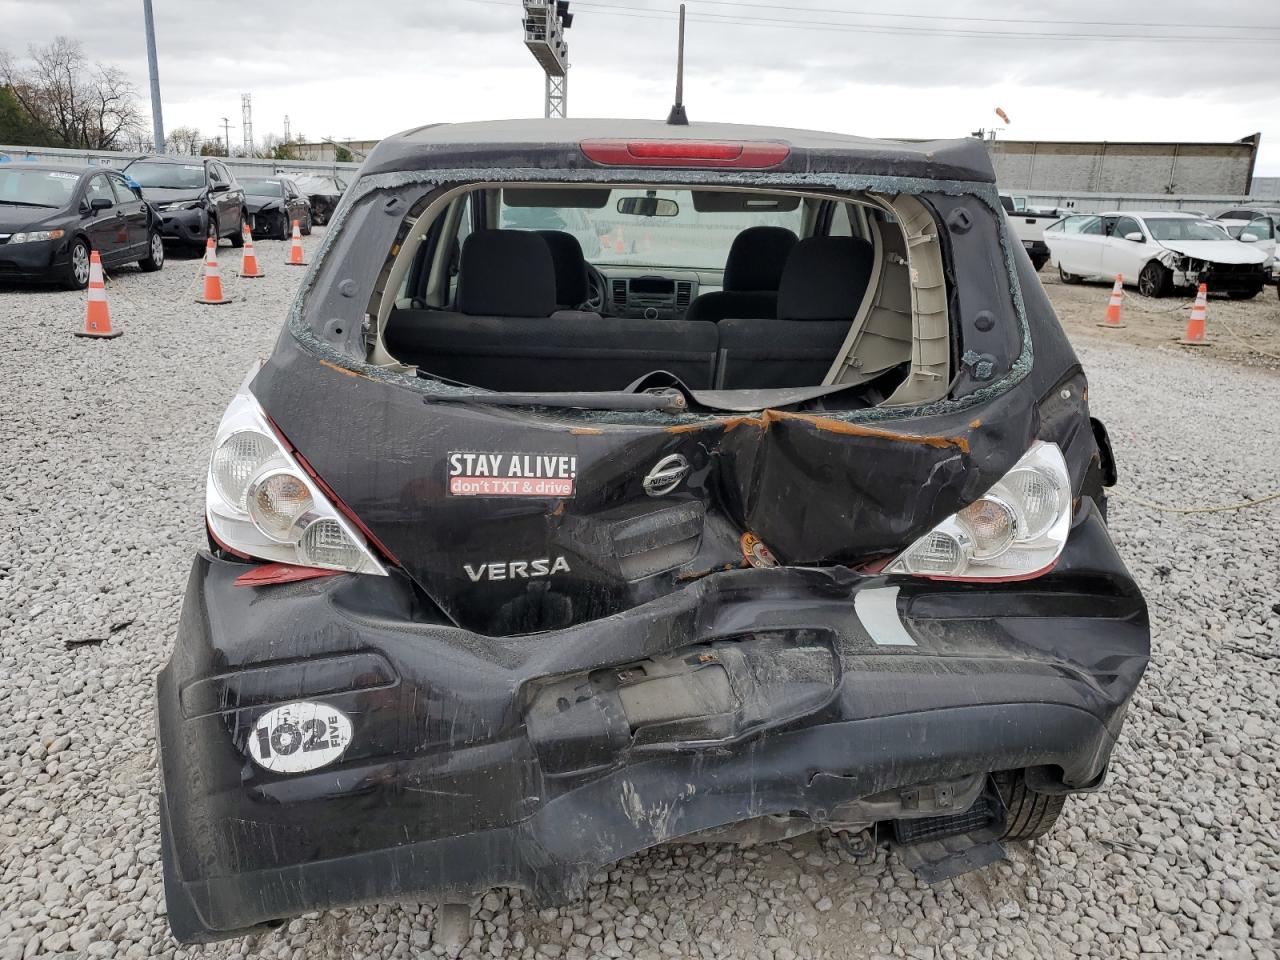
x: 614, y: 482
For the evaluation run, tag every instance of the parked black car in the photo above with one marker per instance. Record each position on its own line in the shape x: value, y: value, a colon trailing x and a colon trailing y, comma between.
x: 515, y: 570
x: 51, y: 218
x: 196, y: 197
x: 274, y: 203
x: 324, y: 194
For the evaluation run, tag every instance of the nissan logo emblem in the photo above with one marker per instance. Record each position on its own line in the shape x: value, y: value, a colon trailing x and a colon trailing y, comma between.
x: 666, y: 475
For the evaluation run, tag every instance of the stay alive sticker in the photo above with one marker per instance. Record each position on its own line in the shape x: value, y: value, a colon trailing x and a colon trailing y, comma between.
x: 512, y: 474
x: 298, y: 737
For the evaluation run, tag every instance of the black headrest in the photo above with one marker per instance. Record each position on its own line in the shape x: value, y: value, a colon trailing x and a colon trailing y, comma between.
x: 506, y: 273
x: 825, y: 279
x: 756, y: 258
x: 570, y: 265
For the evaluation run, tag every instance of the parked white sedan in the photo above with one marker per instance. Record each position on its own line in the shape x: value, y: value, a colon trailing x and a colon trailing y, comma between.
x: 1159, y: 252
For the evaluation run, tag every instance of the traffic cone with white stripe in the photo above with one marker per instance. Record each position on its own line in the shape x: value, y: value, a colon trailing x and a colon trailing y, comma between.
x: 1112, y: 319
x: 212, y: 279
x: 97, y: 315
x: 249, y: 268
x: 295, y: 252
x: 1194, y: 336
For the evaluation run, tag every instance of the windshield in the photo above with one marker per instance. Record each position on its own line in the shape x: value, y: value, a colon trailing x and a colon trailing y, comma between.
x: 686, y: 237
x: 1184, y: 229
x: 262, y: 188
x: 37, y: 188
x: 172, y: 176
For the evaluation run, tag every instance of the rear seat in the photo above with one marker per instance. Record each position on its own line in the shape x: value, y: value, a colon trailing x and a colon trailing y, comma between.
x: 506, y: 333
x: 822, y: 287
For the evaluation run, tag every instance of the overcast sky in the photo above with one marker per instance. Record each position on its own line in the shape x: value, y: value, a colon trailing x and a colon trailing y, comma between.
x: 931, y: 69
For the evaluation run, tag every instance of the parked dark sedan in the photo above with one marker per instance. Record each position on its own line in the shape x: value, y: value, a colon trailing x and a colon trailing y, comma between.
x: 274, y: 203
x: 324, y: 194
x: 196, y: 197
x: 52, y: 217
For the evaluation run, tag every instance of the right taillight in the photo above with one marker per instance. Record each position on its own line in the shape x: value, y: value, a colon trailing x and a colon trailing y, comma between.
x: 1015, y: 531
x: 260, y: 502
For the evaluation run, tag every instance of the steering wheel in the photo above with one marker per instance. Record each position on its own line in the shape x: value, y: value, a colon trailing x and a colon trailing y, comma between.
x: 596, y: 287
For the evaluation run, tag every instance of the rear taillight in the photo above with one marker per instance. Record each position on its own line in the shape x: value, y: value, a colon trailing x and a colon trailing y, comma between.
x: 1014, y: 531
x: 261, y: 503
x: 686, y: 153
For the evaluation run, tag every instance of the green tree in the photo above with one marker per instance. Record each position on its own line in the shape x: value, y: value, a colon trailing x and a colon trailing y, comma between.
x: 17, y: 126
x: 342, y: 155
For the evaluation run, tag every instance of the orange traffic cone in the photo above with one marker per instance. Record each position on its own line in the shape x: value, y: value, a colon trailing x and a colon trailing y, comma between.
x: 249, y: 268
x: 1194, y: 337
x: 1112, y: 319
x: 97, y: 315
x: 295, y: 252
x: 212, y: 279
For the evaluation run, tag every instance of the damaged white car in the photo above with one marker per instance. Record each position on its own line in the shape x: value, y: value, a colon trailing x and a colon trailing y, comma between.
x: 1159, y: 252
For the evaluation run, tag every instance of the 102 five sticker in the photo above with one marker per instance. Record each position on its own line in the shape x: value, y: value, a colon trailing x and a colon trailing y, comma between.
x: 512, y: 474
x: 298, y: 737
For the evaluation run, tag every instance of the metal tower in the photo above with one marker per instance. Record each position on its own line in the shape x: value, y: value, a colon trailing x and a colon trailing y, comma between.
x: 545, y: 22
x: 246, y: 123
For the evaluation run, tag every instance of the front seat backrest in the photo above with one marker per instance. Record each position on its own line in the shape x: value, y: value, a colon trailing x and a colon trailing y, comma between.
x: 825, y: 278
x: 572, y: 288
x: 751, y: 275
x: 506, y: 273
x: 756, y: 259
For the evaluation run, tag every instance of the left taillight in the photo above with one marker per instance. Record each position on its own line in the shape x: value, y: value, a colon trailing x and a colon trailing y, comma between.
x: 260, y: 502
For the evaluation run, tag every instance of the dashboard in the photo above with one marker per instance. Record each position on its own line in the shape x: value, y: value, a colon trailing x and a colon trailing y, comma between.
x: 651, y: 293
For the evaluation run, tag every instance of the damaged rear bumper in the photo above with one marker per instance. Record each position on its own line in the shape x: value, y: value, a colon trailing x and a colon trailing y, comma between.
x: 533, y: 761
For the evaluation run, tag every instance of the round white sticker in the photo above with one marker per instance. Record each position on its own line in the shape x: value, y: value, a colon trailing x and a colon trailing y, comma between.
x: 299, y: 737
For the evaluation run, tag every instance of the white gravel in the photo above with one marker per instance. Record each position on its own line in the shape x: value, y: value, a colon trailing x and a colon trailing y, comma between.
x: 103, y: 475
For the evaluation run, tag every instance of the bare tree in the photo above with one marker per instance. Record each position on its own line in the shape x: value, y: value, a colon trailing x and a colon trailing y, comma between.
x: 185, y: 140
x: 80, y: 105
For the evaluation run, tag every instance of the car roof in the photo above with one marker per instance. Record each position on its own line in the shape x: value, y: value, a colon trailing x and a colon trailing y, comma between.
x: 189, y: 161
x: 78, y: 170
x: 556, y: 143
x: 1144, y: 214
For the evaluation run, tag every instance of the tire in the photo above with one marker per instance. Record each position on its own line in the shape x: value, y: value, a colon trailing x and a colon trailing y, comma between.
x: 306, y: 224
x: 1028, y: 815
x: 1243, y: 294
x: 1067, y: 277
x: 211, y: 230
x: 237, y: 238
x: 285, y: 231
x: 1155, y: 280
x: 75, y: 276
x: 154, y: 259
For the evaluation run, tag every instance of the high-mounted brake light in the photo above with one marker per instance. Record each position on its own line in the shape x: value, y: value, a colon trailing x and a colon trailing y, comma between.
x: 686, y: 153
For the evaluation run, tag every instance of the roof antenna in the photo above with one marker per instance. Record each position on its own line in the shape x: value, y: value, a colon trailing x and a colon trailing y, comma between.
x: 677, y: 115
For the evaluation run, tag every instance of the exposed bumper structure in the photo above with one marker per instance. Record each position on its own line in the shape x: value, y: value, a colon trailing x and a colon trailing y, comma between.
x: 188, y: 226
x: 533, y: 761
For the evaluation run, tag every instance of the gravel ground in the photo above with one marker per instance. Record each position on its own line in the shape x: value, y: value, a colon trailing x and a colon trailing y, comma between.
x: 103, y: 466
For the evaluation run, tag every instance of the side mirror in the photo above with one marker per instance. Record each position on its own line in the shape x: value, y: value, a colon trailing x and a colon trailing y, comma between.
x: 1136, y: 237
x: 100, y: 203
x: 221, y: 187
x: 1247, y: 238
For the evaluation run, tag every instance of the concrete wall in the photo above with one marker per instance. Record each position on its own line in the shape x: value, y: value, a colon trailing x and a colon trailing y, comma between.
x: 1172, y: 169
x: 107, y: 158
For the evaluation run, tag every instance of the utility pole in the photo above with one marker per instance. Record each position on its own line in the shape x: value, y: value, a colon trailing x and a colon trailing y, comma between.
x: 246, y: 123
x: 226, y: 135
x: 286, y: 128
x: 545, y: 22
x: 157, y: 121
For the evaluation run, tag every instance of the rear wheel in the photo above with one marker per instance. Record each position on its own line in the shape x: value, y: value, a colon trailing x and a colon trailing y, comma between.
x: 1155, y: 280
x: 154, y: 259
x: 1067, y: 277
x: 75, y: 275
x: 1028, y: 815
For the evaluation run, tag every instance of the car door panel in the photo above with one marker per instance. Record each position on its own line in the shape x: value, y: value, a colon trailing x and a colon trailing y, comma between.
x: 105, y: 228
x: 1122, y: 256
x: 133, y: 215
